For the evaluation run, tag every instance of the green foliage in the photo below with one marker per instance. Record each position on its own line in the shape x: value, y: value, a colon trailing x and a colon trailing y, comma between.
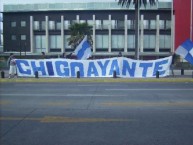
x: 77, y: 32
x: 135, y: 2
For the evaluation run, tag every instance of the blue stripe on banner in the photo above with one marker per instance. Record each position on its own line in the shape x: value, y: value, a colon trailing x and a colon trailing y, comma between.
x: 85, y: 46
x: 50, y: 68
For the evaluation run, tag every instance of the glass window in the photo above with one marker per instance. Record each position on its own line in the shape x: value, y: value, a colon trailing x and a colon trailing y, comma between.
x: 23, y: 23
x: 55, y: 41
x: 105, y: 24
x: 13, y: 24
x: 74, y: 21
x: 66, y: 24
x: 152, y: 24
x: 149, y: 41
x: 145, y: 24
x: 51, y: 25
x: 117, y: 41
x: 98, y: 24
x: 161, y: 24
x: 43, y: 25
x: 131, y: 41
x: 13, y: 37
x: 58, y: 25
x: 130, y: 24
x: 66, y: 37
x: 40, y: 43
x: 165, y: 41
x: 152, y: 41
x: 102, y: 41
x: 120, y: 24
x: 113, y: 24
x: 90, y: 22
x: 99, y: 41
x: 36, y: 25
x: 23, y: 37
x: 82, y: 21
x: 105, y: 41
x: 168, y: 24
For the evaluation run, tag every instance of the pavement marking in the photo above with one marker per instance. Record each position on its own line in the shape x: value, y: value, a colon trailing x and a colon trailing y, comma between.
x: 148, y: 104
x: 52, y: 119
x: 164, y: 89
x: 61, y: 119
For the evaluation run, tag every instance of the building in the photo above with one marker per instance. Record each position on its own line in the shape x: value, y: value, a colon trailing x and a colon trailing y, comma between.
x: 36, y: 28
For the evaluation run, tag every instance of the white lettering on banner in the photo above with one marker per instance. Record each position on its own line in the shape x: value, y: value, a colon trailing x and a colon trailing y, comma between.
x: 124, y: 67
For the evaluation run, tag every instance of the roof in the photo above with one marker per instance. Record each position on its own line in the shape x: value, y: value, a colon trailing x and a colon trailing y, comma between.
x: 78, y: 6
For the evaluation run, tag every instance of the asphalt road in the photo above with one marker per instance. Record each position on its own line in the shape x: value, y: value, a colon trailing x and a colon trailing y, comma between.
x: 96, y: 113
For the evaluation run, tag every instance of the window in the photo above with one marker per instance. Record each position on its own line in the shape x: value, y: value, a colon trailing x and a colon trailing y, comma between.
x: 43, y: 25
x: 130, y: 24
x: 23, y: 23
x: 105, y: 24
x: 113, y: 24
x: 165, y: 41
x: 152, y: 24
x: 131, y: 41
x: 36, y: 25
x: 40, y: 43
x: 23, y: 37
x: 82, y: 21
x: 145, y: 24
x: 13, y: 37
x: 66, y: 24
x: 58, y: 25
x: 117, y: 41
x: 102, y: 41
x: 149, y: 41
x: 168, y: 24
x: 66, y: 41
x: 120, y: 24
x: 13, y: 24
x: 90, y: 22
x: 51, y: 25
x: 161, y: 24
x: 55, y: 41
x: 98, y: 24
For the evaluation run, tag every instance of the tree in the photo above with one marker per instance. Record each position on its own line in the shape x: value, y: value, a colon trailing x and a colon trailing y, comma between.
x: 135, y: 2
x: 77, y: 33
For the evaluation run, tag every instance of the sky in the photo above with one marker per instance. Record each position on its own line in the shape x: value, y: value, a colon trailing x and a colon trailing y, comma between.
x: 2, y: 2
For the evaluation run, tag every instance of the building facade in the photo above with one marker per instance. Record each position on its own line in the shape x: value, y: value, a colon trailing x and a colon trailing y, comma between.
x: 36, y: 28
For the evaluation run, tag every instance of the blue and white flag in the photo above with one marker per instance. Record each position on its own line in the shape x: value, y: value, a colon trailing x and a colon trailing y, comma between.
x: 83, y: 50
x: 186, y: 51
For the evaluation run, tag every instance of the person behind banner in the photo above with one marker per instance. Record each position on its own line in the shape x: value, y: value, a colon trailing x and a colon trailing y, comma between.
x: 173, y: 63
x: 12, y: 66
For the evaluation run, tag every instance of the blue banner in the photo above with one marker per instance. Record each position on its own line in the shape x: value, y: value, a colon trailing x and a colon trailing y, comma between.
x: 124, y: 67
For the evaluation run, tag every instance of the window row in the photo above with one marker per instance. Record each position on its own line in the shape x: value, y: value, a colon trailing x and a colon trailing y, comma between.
x: 22, y: 37
x: 102, y: 24
x: 102, y: 42
x: 22, y: 24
